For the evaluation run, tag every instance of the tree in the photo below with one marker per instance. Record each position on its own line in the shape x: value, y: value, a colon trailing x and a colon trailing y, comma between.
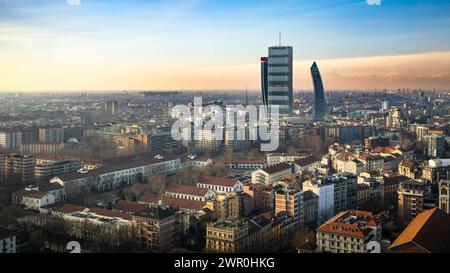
x: 157, y: 184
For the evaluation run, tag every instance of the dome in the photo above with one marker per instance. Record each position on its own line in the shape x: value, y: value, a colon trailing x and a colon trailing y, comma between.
x: 72, y: 140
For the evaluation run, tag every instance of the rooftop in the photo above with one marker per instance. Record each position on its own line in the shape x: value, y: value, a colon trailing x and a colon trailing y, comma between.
x: 350, y: 223
x: 184, y: 203
x: 428, y: 230
x: 187, y: 189
x: 126, y: 206
x: 156, y: 213
x: 219, y: 181
x: 276, y: 168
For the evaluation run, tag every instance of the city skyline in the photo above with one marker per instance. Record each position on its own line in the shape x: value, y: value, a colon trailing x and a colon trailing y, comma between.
x: 207, y: 45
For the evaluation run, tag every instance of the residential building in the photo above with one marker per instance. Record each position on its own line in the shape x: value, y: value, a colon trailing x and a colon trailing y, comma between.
x: 395, y: 118
x: 348, y: 232
x: 239, y: 235
x: 272, y: 173
x: 156, y: 229
x: 111, y: 107
x: 53, y: 148
x: 428, y: 232
x: 290, y: 201
x: 227, y: 205
x: 10, y: 140
x: 436, y: 146
x: 372, y: 162
x: 436, y: 170
x: 411, y: 199
x: 51, y: 134
x: 444, y: 196
x: 45, y: 171
x: 309, y: 163
x: 7, y: 241
x: 410, y: 168
x: 336, y: 193
x: 20, y: 166
x: 325, y: 192
x: 376, y: 141
x: 262, y: 197
x: 310, y: 209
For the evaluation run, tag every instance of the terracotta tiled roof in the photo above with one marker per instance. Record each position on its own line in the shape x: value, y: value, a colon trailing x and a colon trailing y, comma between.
x: 247, y: 161
x: 126, y: 206
x: 336, y: 225
x: 219, y: 181
x: 428, y: 230
x: 184, y: 203
x: 68, y: 208
x: 306, y: 160
x: 31, y: 194
x: 276, y: 168
x: 187, y: 189
x: 149, y: 198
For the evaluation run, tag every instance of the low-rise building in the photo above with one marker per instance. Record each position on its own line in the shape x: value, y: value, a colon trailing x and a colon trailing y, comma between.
x: 275, y: 158
x: 246, y: 164
x: 190, y: 192
x: 220, y: 184
x: 309, y: 163
x: 272, y: 173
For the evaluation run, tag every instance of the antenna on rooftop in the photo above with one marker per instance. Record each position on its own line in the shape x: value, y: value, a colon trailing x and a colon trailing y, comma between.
x: 279, y: 38
x: 246, y: 95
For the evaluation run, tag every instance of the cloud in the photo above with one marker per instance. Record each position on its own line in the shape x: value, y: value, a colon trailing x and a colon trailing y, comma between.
x: 73, y: 2
x: 373, y: 2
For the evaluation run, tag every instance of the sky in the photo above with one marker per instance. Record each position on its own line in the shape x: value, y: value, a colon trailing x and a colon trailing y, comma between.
x: 102, y: 45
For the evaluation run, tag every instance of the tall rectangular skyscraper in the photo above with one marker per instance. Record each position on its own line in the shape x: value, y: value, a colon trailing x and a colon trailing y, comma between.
x: 280, y: 86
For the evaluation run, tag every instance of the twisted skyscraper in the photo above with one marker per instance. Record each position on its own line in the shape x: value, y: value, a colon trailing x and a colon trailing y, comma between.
x: 319, y: 97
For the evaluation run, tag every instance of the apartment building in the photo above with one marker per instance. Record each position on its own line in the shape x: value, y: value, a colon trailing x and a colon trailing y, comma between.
x: 411, y: 199
x: 156, y: 229
x: 290, y: 201
x: 272, y: 173
x: 45, y: 171
x: 20, y: 166
x: 348, y: 232
x: 53, y: 148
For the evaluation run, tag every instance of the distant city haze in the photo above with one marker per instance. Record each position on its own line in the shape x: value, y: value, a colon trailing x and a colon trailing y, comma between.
x: 209, y: 45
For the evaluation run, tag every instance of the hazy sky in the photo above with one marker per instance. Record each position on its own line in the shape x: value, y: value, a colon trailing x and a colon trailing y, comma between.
x: 83, y: 45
